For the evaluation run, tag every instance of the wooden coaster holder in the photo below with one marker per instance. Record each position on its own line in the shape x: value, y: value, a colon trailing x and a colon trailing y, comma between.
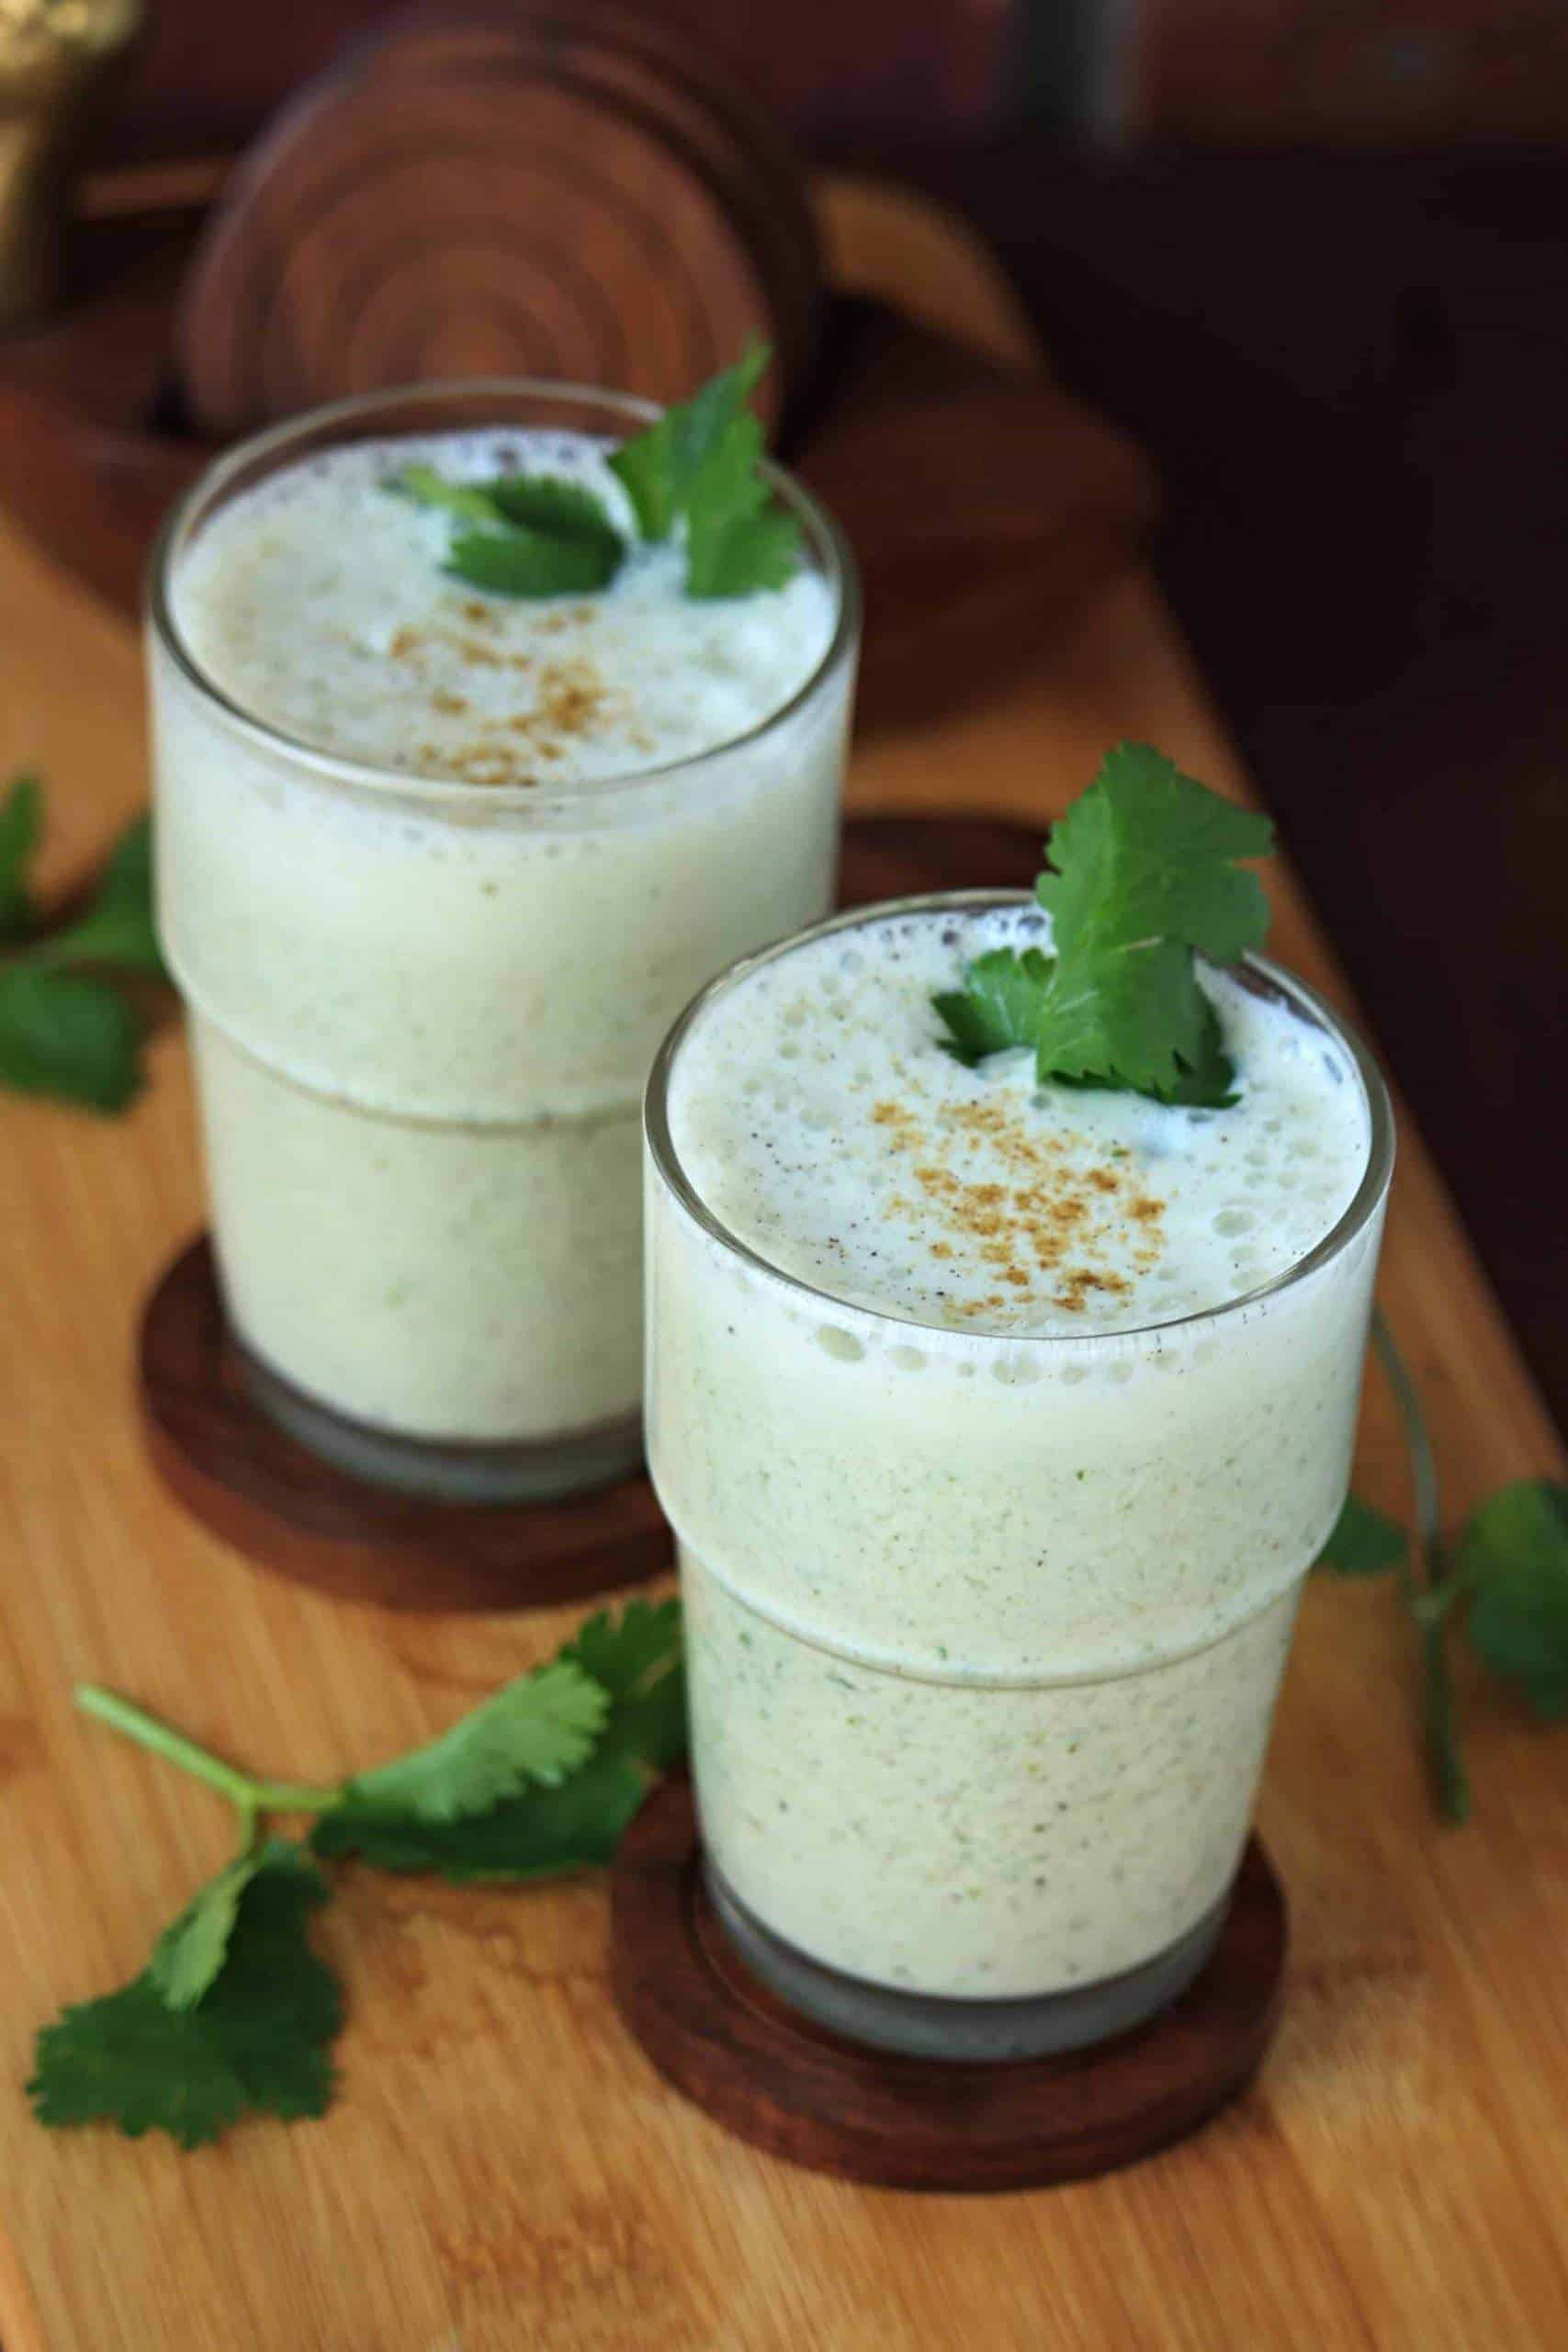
x: 774, y: 2079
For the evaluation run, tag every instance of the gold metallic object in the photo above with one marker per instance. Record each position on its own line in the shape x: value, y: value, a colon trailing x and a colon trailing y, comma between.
x: 55, y: 56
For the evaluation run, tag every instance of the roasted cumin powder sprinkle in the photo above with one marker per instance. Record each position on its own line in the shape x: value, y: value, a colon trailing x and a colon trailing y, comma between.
x: 1043, y: 1217
x: 570, y: 701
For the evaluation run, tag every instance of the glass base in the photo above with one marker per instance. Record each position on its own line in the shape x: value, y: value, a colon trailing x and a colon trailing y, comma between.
x: 922, y: 2025
x: 542, y: 1470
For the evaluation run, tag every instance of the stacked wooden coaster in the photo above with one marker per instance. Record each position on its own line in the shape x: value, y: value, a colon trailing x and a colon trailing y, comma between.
x: 560, y: 187
x: 566, y: 190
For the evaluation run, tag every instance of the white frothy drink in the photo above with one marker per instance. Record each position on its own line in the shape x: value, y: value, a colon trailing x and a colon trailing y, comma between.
x: 436, y: 870
x: 998, y: 1424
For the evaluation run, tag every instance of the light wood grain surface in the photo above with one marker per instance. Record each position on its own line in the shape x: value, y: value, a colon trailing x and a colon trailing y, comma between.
x: 502, y: 2169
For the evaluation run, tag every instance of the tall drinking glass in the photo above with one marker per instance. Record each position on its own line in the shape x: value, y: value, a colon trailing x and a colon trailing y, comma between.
x: 985, y: 1628
x: 424, y: 1009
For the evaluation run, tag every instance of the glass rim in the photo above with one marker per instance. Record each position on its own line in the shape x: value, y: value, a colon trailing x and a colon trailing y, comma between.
x: 838, y: 568
x: 1352, y: 1221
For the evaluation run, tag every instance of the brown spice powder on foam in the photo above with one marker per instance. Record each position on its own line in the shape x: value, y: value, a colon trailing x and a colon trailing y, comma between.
x: 1050, y: 1216
x: 571, y: 701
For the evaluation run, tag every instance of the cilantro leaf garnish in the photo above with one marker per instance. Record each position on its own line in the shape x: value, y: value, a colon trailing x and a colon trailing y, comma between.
x: 1513, y: 1560
x: 660, y: 467
x: 21, y: 827
x: 544, y: 1833
x: 118, y: 929
x: 532, y: 563
x: 63, y: 1035
x: 256, y: 2038
x: 233, y: 2014
x: 427, y: 487
x: 696, y: 467
x: 65, y: 1029
x: 698, y: 464
x: 1145, y: 878
x: 635, y: 1662
x: 548, y: 502
x: 637, y: 1658
x: 1363, y: 1542
x: 526, y: 535
x: 537, y: 1729
x: 192, y: 1949
x: 999, y: 1005
x: 1504, y: 1580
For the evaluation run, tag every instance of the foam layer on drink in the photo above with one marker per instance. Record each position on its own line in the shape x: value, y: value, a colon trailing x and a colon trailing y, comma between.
x: 818, y: 1118
x: 424, y: 1018
x: 318, y: 602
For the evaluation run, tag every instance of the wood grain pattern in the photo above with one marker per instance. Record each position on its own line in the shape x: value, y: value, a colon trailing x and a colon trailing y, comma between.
x: 762, y: 2071
x: 629, y: 58
x: 502, y: 2167
x: 482, y: 209
x: 295, y: 1515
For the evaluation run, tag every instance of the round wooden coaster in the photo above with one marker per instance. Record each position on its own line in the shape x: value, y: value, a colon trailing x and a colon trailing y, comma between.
x: 772, y: 2077
x: 482, y: 213
x: 636, y: 62
x: 289, y: 1510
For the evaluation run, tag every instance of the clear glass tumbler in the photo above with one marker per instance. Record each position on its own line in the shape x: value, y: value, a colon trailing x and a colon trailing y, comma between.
x: 985, y: 1633
x: 423, y: 1012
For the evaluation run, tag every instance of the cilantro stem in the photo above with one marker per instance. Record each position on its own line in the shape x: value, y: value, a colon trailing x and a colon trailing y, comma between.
x: 250, y: 1796
x: 1427, y: 1602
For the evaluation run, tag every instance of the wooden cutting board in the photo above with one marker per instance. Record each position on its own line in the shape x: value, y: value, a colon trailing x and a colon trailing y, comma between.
x: 502, y: 2169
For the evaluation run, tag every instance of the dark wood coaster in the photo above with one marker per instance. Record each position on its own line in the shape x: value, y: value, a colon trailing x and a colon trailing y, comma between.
x: 289, y: 1510
x: 773, y: 2078
x: 484, y: 213
x: 636, y: 62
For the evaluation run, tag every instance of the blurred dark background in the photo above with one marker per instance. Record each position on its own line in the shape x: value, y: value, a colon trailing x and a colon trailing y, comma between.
x: 1314, y: 253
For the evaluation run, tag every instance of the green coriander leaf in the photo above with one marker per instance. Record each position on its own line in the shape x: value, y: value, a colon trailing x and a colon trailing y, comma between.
x: 1147, y: 852
x: 538, y: 1729
x: 567, y: 510
x: 522, y: 563
x: 700, y: 464
x: 190, y: 1953
x: 1205, y: 1081
x: 1146, y: 873
x: 426, y: 487
x: 65, y: 1035
x: 21, y: 825
x: 700, y: 428
x: 1363, y: 1542
x: 537, y: 536
x: 658, y: 467
x: 739, y: 555
x: 637, y: 1658
x: 1138, y: 1021
x: 999, y: 1006
x: 635, y: 1661
x: 117, y: 928
x: 543, y: 1833
x: 644, y: 467
x: 256, y: 2043
x: 1513, y: 1558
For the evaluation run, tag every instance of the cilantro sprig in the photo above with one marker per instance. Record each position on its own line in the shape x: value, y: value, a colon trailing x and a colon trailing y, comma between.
x: 1143, y: 877
x: 257, y: 2040
x: 234, y: 2013
x: 66, y: 1029
x: 695, y: 473
x: 1503, y: 1583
